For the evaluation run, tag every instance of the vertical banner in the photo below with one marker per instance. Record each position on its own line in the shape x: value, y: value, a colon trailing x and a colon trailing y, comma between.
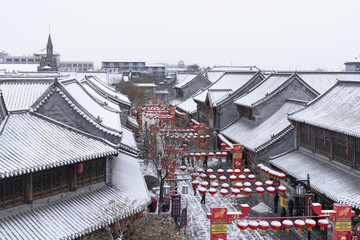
x: 171, y: 166
x: 175, y: 205
x: 139, y: 115
x: 183, y: 221
x: 237, y: 156
x: 172, y: 120
x: 309, y: 200
x: 341, y: 222
x: 201, y: 138
x: 218, y: 221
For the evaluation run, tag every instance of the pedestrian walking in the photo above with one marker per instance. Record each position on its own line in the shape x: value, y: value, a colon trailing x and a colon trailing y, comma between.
x: 205, y: 161
x: 276, y: 202
x: 203, y: 199
x: 194, y: 188
x: 291, y: 207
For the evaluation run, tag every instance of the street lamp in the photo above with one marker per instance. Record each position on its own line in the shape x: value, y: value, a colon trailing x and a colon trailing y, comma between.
x: 215, y: 139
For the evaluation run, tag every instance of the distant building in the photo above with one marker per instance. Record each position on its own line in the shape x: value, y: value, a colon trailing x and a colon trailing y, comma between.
x: 48, y: 62
x: 76, y: 65
x: 353, y: 65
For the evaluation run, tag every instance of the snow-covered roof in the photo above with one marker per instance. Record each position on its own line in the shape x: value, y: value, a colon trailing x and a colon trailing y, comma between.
x: 180, y: 77
x: 201, y: 97
x: 353, y: 61
x: 262, y: 90
x: 189, y: 106
x: 43, y: 52
x: 107, y: 90
x: 233, y: 81
x: 109, y: 118
x: 28, y: 144
x: 234, y: 68
x: 133, y: 121
x: 217, y: 95
x: 108, y: 102
x: 256, y: 138
x: 213, y: 76
x: 337, y: 110
x: 19, y: 67
x: 323, y: 81
x: 128, y: 139
x: 155, y: 65
x: 328, y: 178
x: 185, y: 80
x: 20, y: 94
x: 145, y: 85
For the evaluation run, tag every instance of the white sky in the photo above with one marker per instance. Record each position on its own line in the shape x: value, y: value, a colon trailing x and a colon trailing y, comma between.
x: 271, y: 34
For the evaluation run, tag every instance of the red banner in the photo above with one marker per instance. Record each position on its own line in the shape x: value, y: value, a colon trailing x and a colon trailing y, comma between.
x: 201, y: 140
x: 237, y: 156
x: 341, y: 221
x: 218, y: 221
x: 172, y: 121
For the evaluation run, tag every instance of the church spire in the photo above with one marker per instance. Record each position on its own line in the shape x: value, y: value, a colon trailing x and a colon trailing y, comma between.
x: 49, y: 47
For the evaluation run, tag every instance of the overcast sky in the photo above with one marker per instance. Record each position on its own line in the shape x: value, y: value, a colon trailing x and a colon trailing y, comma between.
x: 271, y: 34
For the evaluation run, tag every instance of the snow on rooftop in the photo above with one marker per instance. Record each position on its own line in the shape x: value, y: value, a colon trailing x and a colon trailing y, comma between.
x: 336, y: 183
x: 213, y: 76
x: 337, y: 110
x: 145, y: 84
x: 263, y: 89
x: 28, y: 142
x: 258, y: 137
x: 234, y: 68
x: 21, y: 94
x: 107, y: 117
x: 186, y: 80
x: 19, y: 67
x: 128, y: 138
x: 323, y: 81
x: 183, y: 76
x: 201, y: 97
x: 189, y: 106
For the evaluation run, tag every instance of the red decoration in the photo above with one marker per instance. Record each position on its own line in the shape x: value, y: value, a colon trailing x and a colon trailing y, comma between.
x: 212, y: 177
x: 202, y: 190
x: 204, y: 184
x: 233, y: 179
x: 251, y: 177
x: 235, y: 191
x: 203, y: 176
x: 195, y: 183
x: 224, y: 192
x: 215, y: 185
x: 299, y: 224
x: 247, y: 191
x: 323, y: 223
x: 218, y: 154
x: 212, y: 191
x: 247, y: 171
x: 276, y: 226
x: 260, y: 190
x: 230, y: 171
x: 310, y: 224
x: 263, y: 225
x: 242, y: 226
x: 200, y: 170
x: 242, y: 177
x: 211, y: 154
x: 79, y: 168
x: 222, y: 178
x: 287, y: 224
x: 183, y: 168
x: 270, y: 190
x: 220, y: 171
x: 253, y: 225
x: 209, y: 171
x: 224, y: 154
x: 225, y: 186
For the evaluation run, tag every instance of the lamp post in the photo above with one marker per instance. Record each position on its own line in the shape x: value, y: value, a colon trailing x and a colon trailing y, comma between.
x: 215, y: 139
x: 309, y: 197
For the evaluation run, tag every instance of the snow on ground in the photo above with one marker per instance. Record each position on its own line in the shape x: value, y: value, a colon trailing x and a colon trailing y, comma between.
x: 262, y: 208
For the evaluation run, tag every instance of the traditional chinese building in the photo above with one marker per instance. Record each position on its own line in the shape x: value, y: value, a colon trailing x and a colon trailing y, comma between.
x: 64, y: 156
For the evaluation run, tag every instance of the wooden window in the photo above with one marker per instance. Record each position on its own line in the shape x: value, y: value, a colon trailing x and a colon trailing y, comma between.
x: 247, y: 112
x: 50, y: 182
x: 11, y: 192
x: 339, y: 150
x: 305, y: 142
x: 93, y: 172
x: 322, y: 144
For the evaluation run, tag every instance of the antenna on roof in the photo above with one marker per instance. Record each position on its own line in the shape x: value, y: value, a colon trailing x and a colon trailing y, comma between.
x: 49, y: 28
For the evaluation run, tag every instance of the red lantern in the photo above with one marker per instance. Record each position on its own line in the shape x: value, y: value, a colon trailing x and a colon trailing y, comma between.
x: 193, y: 176
x: 191, y: 154
x: 203, y: 154
x: 242, y: 226
x: 202, y: 190
x: 276, y: 226
x: 281, y: 189
x: 215, y: 185
x: 251, y: 177
x: 225, y: 186
x: 184, y: 146
x: 247, y: 184
x: 269, y: 183
x: 204, y: 184
x: 247, y: 171
x: 195, y: 183
x: 222, y: 178
x: 220, y: 171
x: 79, y: 168
x: 203, y: 176
x: 224, y: 192
x: 212, y: 191
x: 218, y: 154
x: 253, y: 225
x: 211, y: 154
x: 209, y: 171
x: 258, y: 184
x: 281, y: 176
x: 299, y: 224
x: 224, y: 154
x: 260, y: 190
x: 260, y: 165
x: 263, y: 225
x: 237, y: 172
x: 197, y: 155
x: 310, y: 224
x: 183, y: 168
x: 238, y: 185
x: 230, y: 171
x: 323, y: 223
x: 247, y: 191
x: 223, y: 146
x: 235, y: 191
x: 270, y: 190
x: 233, y: 179
x: 242, y: 178
x: 200, y: 170
x: 287, y: 224
x: 212, y: 177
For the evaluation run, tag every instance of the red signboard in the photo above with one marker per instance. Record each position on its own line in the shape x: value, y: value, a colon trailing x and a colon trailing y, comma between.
x: 218, y: 227
x: 172, y: 121
x: 237, y: 156
x: 309, y: 199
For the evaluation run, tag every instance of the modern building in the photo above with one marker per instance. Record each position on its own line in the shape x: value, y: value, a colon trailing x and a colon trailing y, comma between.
x: 353, y: 65
x: 76, y: 65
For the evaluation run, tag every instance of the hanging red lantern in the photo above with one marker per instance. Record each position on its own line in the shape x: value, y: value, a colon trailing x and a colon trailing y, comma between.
x: 310, y: 224
x: 260, y: 190
x: 230, y: 171
x: 191, y: 154
x: 281, y: 176
x: 235, y: 191
x: 193, y: 176
x: 215, y: 185
x: 247, y: 184
x: 253, y: 225
x: 242, y: 226
x: 197, y: 155
x: 195, y: 183
x: 211, y: 154
x: 233, y: 179
x: 260, y: 165
x: 220, y: 171
x: 204, y: 184
x: 237, y: 172
x: 209, y: 171
x: 323, y: 223
x: 242, y: 178
x: 224, y: 154
x: 202, y: 190
x: 269, y: 183
x: 183, y: 168
x: 225, y: 186
x: 251, y: 177
x: 287, y: 224
x: 224, y: 192
x: 79, y: 168
x: 218, y: 154
x: 281, y: 189
x: 222, y: 178
x: 299, y: 224
x: 276, y: 226
x: 263, y: 225
x: 247, y: 192
x: 247, y: 171
x: 203, y: 176
x: 212, y: 191
x: 238, y: 185
x: 270, y: 190
x: 258, y: 184
x: 200, y: 170
x: 212, y: 177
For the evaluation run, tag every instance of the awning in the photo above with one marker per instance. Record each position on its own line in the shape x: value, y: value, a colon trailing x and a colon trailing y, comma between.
x: 334, y: 180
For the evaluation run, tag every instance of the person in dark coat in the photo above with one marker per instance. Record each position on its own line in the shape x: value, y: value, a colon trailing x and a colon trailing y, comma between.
x: 203, y: 199
x: 283, y: 212
x: 205, y: 161
x: 194, y: 188
x: 276, y: 202
x: 291, y: 207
